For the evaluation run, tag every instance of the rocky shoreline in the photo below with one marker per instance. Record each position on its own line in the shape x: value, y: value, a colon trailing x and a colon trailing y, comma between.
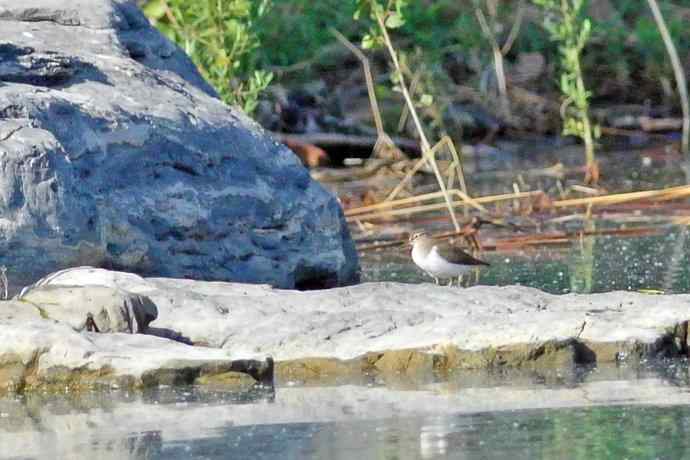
x: 164, y: 331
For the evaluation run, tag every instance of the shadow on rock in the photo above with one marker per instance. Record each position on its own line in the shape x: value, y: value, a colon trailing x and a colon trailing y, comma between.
x: 166, y: 333
x: 23, y: 64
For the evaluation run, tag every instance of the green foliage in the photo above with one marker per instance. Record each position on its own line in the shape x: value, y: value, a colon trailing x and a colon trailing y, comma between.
x: 652, y: 47
x: 469, y: 34
x: 439, y: 38
x: 393, y: 16
x: 298, y: 31
x: 626, y: 48
x: 220, y: 37
x: 391, y: 13
x: 565, y: 22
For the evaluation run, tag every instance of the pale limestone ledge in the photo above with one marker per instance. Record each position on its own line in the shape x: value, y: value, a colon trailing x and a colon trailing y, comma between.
x: 368, y: 328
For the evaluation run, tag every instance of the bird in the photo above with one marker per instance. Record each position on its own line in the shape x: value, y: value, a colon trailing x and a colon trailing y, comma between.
x: 441, y: 260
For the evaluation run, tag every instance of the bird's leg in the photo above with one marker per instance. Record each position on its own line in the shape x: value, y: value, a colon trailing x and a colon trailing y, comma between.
x: 450, y: 282
x: 460, y: 278
x: 432, y: 276
x: 436, y: 281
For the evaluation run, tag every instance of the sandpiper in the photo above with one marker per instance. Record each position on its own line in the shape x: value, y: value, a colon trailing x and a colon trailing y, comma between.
x: 441, y: 260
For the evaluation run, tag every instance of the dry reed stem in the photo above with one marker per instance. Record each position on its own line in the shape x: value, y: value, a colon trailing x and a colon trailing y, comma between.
x: 413, y: 112
x: 658, y: 195
x: 431, y: 196
x: 383, y: 139
x: 451, y: 173
x: 383, y: 209
x: 681, y: 221
x: 463, y: 201
x: 403, y: 182
x: 375, y: 111
x: 677, y: 70
x: 403, y: 241
x: 352, y: 215
x: 445, y: 140
x: 459, y: 171
x: 516, y: 202
x: 498, y: 53
x: 515, y: 29
x: 406, y: 111
x: 529, y: 240
x: 410, y: 210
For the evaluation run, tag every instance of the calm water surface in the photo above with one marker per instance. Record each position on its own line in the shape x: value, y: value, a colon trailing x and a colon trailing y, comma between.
x: 594, y: 264
x: 617, y: 412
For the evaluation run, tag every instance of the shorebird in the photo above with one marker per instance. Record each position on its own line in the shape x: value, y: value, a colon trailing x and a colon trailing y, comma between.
x: 441, y: 260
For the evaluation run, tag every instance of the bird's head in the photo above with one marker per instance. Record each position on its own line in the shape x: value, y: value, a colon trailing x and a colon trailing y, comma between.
x: 416, y: 236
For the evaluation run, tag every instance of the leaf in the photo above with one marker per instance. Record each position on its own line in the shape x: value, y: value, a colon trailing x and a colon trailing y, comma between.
x: 368, y: 41
x: 394, y: 21
x: 565, y: 83
x: 586, y: 26
x: 263, y: 8
x: 154, y: 9
x: 426, y: 100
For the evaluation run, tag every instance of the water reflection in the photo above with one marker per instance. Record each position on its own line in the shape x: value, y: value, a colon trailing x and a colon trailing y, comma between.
x: 591, y: 433
x: 592, y: 264
x: 616, y: 412
x: 117, y: 424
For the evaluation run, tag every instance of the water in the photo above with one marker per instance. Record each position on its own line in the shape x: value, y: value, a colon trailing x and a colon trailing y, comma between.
x: 593, y: 264
x: 612, y: 412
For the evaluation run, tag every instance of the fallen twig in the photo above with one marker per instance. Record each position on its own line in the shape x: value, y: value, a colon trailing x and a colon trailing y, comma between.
x: 399, y: 207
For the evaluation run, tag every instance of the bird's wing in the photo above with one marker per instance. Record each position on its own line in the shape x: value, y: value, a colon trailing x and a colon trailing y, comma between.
x: 456, y: 255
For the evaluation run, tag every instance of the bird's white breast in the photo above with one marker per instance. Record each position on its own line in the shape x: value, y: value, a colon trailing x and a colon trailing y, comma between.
x: 418, y: 257
x: 436, y: 265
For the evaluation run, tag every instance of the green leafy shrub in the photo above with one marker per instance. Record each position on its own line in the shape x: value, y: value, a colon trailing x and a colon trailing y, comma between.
x: 568, y: 26
x: 220, y: 37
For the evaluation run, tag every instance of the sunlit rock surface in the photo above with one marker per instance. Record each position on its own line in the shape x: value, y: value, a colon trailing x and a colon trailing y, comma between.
x: 114, y: 152
x: 372, y: 328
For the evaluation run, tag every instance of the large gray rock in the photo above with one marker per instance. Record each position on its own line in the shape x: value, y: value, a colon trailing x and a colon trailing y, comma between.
x: 114, y: 152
